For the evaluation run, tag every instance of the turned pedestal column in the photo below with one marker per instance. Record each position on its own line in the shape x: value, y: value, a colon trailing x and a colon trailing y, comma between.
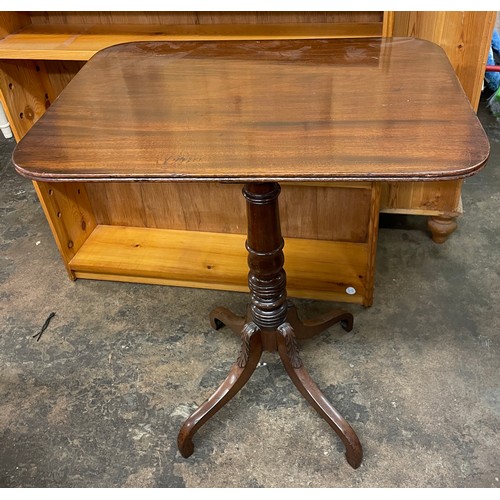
x: 271, y: 324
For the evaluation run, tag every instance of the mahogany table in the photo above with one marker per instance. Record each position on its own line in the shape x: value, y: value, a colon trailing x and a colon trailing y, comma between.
x: 258, y: 113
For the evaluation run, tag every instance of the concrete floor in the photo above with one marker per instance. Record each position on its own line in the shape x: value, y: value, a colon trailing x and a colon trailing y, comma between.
x: 99, y: 400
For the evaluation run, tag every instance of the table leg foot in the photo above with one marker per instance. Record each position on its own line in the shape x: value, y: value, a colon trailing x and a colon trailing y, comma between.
x: 238, y: 376
x: 222, y: 316
x: 441, y: 227
x: 289, y: 355
x: 304, y: 329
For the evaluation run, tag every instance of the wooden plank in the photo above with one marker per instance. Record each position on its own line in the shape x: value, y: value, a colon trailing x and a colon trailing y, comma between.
x: 467, y: 44
x: 11, y: 22
x: 69, y: 214
x: 56, y: 75
x: 431, y: 197
x: 204, y: 17
x: 326, y: 213
x: 369, y: 278
x: 24, y: 94
x: 81, y: 42
x: 330, y: 295
x: 28, y: 88
x: 315, y: 212
x: 388, y: 24
x: 464, y: 36
x: 423, y: 211
x: 338, y: 184
x: 315, y: 269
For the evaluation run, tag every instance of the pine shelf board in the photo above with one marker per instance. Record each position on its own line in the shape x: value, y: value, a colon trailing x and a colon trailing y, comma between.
x: 80, y: 42
x: 316, y: 269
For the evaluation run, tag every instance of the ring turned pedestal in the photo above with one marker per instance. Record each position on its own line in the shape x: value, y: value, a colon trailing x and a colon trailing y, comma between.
x: 271, y: 325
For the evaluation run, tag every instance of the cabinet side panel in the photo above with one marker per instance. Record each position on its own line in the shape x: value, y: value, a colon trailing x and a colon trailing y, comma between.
x: 23, y: 93
x: 29, y: 87
x: 464, y: 36
x: 10, y: 22
x: 69, y: 215
x: 422, y: 197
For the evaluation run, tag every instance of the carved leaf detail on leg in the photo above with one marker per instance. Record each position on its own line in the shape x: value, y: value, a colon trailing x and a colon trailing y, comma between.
x: 292, y: 350
x: 248, y: 330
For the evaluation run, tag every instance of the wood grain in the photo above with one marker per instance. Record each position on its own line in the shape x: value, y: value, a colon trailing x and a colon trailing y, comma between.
x: 12, y: 21
x: 244, y: 111
x: 23, y: 93
x: 29, y: 87
x: 372, y: 238
x: 315, y: 269
x: 464, y: 36
x: 439, y: 197
x: 334, y: 212
x: 204, y: 17
x: 388, y: 24
x: 80, y: 42
x: 70, y: 216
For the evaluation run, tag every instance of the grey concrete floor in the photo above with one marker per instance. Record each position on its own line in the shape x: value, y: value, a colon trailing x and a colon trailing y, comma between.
x: 99, y: 400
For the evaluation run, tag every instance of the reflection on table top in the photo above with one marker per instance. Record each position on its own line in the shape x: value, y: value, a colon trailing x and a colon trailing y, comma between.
x: 351, y: 109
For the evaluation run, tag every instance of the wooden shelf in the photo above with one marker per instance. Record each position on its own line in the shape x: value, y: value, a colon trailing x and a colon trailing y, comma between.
x: 41, y: 51
x: 79, y: 42
x: 316, y: 269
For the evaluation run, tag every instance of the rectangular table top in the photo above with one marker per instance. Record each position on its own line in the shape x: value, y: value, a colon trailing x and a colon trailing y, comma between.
x: 295, y: 110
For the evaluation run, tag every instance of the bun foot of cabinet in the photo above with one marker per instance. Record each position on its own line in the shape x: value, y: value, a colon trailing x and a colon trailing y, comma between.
x: 441, y: 228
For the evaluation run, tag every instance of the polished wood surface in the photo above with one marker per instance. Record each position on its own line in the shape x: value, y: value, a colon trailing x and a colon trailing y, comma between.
x: 466, y: 39
x: 84, y: 33
x: 254, y: 111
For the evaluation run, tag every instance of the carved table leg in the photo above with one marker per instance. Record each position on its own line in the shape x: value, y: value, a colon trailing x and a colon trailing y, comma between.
x: 239, y: 374
x: 293, y: 364
x: 221, y: 316
x: 305, y: 329
x: 270, y: 324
